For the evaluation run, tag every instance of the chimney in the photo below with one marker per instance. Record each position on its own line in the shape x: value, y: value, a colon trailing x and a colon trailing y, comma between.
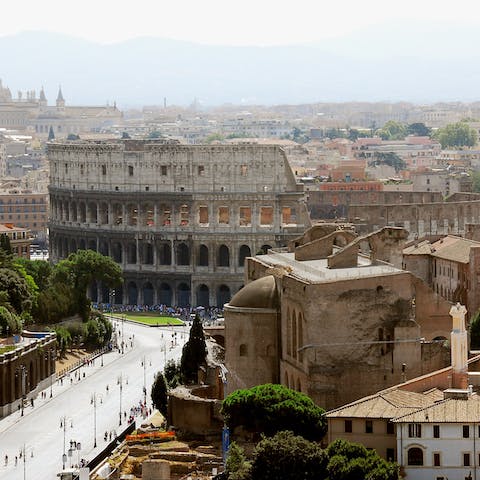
x: 459, y: 347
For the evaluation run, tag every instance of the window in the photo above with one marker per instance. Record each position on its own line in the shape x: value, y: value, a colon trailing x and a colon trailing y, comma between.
x: 104, y: 169
x: 415, y: 456
x: 203, y: 215
x: 243, y: 350
x: 390, y: 428
x: 245, y: 216
x: 163, y: 170
x: 184, y: 215
x: 436, y: 431
x: 223, y: 215
x: 348, y: 426
x: 201, y: 170
x: 66, y: 168
x: 243, y: 170
x: 390, y: 454
x: 465, y: 431
x: 368, y: 426
x: 288, y: 216
x: 130, y: 170
x: 266, y: 215
x: 466, y: 459
x: 436, y: 459
x: 81, y: 169
x: 414, y: 430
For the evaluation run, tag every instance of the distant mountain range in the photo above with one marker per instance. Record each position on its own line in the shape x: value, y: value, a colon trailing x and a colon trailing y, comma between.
x: 391, y: 62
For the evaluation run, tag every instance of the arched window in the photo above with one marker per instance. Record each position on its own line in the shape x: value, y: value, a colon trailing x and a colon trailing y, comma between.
x: 415, y: 456
x: 243, y: 350
x: 223, y: 259
x: 117, y: 252
x: 183, y: 295
x: 148, y: 254
x: 243, y: 253
x: 203, y: 256
x: 265, y: 248
x: 203, y: 296
x: 132, y: 253
x: 223, y: 295
x: 164, y: 254
x: 183, y: 254
x: 148, y: 294
x: 132, y: 293
x: 165, y: 294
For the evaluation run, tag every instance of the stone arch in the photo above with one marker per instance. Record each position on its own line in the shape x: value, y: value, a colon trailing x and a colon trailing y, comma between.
x: 132, y: 215
x: 73, y: 246
x: 203, y: 295
x: 265, y: 248
x: 92, y: 212
x: 183, y: 254
x: 103, y: 247
x: 148, y: 294
x: 147, y: 254
x: 202, y: 258
x: 117, y: 214
x: 73, y: 208
x: 223, y: 257
x: 223, y: 295
x: 165, y: 294
x: 117, y: 252
x: 132, y: 292
x: 92, y: 244
x: 243, y: 253
x: 103, y: 211
x: 82, y: 212
x: 165, y: 254
x: 299, y: 385
x: 183, y: 295
x: 132, y: 253
x: 82, y: 244
x: 147, y: 215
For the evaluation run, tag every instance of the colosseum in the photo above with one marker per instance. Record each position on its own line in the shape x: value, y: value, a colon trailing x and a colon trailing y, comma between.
x: 179, y: 219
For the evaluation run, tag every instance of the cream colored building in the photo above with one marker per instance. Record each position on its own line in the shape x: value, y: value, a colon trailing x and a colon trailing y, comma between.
x: 179, y: 219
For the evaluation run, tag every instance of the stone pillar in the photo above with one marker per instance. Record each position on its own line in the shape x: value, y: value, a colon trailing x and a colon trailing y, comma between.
x: 459, y: 347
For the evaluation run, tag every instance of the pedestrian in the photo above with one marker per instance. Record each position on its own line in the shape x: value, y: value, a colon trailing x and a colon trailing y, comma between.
x: 61, y: 424
x: 16, y: 460
x: 6, y: 459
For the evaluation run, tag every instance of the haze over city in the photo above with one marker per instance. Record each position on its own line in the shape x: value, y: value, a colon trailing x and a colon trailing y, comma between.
x: 263, y: 53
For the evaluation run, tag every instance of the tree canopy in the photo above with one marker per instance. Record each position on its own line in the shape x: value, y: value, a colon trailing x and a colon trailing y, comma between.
x: 159, y: 394
x: 392, y: 130
x: 271, y: 408
x: 81, y: 268
x: 457, y: 135
x: 419, y: 130
x: 289, y: 457
x: 389, y: 158
x: 194, y: 352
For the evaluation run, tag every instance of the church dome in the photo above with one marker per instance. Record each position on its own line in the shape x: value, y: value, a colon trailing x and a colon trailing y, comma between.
x: 260, y: 293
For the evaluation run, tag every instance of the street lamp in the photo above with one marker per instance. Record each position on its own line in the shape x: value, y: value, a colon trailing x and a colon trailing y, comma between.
x: 63, y: 423
x: 93, y: 401
x: 50, y: 357
x: 144, y: 365
x: 21, y: 373
x: 120, y: 380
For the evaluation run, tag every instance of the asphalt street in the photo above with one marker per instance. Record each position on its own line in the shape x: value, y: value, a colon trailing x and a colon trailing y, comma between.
x: 70, y: 413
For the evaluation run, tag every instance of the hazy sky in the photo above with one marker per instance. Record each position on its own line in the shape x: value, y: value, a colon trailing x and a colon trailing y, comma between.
x: 245, y: 22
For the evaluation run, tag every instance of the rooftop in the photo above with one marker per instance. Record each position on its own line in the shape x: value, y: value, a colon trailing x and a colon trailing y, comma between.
x: 317, y: 271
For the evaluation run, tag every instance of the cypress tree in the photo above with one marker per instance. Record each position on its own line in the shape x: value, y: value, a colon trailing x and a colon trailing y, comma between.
x: 194, y: 352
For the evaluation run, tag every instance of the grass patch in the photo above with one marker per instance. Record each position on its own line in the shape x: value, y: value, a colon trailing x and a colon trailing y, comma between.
x: 7, y: 348
x: 150, y: 318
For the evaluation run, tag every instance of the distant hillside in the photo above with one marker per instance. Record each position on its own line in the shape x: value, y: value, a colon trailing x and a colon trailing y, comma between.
x: 386, y: 63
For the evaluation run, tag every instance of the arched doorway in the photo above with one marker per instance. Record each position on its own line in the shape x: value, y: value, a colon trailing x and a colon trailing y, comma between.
x: 132, y: 293
x: 203, y: 296
x: 243, y: 253
x: 148, y: 294
x: 183, y: 295
x: 223, y: 295
x: 183, y: 254
x: 165, y: 294
x: 223, y: 259
x: 203, y: 256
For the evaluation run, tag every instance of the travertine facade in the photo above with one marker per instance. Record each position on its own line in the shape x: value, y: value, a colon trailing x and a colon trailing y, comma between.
x: 334, y: 317
x: 179, y: 219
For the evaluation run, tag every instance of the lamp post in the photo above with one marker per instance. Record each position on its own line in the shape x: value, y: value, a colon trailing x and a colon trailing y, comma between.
x: 63, y: 422
x: 120, y: 380
x: 50, y: 357
x: 21, y: 373
x: 93, y: 401
x: 144, y: 365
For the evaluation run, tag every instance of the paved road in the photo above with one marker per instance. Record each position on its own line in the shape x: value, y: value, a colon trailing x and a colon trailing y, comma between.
x: 39, y: 429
